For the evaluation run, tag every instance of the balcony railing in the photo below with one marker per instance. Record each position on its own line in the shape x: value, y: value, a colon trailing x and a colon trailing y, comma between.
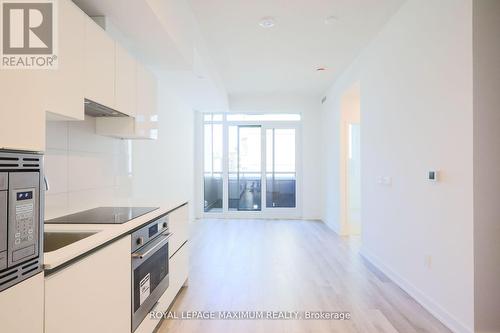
x: 245, y: 191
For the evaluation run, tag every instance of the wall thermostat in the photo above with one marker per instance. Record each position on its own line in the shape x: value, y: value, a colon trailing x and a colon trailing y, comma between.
x: 433, y: 175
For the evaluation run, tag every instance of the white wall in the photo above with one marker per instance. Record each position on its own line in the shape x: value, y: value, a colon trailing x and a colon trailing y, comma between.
x: 416, y: 115
x: 311, y: 166
x: 486, y: 165
x: 84, y: 170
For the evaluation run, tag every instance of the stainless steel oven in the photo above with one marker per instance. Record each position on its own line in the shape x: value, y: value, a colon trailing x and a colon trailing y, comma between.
x: 149, y: 267
x: 21, y: 216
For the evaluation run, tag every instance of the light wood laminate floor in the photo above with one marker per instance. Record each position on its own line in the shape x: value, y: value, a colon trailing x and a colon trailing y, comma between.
x: 281, y: 265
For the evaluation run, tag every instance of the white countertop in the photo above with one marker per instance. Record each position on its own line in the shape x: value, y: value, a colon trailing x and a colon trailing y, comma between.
x: 105, y: 233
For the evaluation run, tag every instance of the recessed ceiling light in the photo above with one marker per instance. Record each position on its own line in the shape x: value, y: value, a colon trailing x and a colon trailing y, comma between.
x: 321, y: 69
x: 267, y: 22
x: 331, y: 20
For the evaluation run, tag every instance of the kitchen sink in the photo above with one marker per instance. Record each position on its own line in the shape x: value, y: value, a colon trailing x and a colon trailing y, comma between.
x: 54, y: 240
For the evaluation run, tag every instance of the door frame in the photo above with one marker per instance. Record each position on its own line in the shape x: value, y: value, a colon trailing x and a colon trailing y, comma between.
x: 350, y: 113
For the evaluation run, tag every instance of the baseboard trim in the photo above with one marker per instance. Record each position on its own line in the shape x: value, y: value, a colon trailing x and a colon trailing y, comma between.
x: 429, y: 304
x: 337, y: 229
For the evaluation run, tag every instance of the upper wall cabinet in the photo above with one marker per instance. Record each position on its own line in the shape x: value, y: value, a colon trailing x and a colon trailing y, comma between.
x: 27, y: 94
x: 99, y: 65
x: 22, y: 122
x: 147, y: 112
x: 90, y: 65
x: 64, y: 86
x: 125, y: 81
x: 144, y: 124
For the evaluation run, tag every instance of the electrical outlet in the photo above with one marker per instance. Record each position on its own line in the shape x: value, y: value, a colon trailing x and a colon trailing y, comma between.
x: 428, y: 261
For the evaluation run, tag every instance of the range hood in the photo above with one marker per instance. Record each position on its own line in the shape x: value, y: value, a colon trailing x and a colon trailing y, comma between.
x: 95, y: 109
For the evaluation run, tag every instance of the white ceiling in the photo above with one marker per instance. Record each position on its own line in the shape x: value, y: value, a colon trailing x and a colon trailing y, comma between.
x: 283, y: 59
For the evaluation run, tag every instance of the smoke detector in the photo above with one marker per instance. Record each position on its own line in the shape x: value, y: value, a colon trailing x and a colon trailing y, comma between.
x: 331, y: 20
x: 267, y: 22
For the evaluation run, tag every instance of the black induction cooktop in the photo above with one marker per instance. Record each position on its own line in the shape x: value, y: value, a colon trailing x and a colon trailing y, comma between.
x: 103, y: 215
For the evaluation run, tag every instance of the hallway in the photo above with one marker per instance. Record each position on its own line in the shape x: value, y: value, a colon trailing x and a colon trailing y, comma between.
x: 281, y: 265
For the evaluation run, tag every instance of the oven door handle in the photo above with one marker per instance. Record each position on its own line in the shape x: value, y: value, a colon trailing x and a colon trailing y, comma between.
x: 162, y: 240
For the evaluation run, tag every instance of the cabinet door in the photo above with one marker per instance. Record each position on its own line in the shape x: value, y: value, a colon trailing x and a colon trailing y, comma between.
x: 22, y: 121
x: 64, y: 86
x: 179, y: 265
x: 178, y: 224
x: 22, y: 118
x: 93, y: 294
x: 146, y: 112
x: 22, y: 307
x: 99, y: 65
x: 125, y: 81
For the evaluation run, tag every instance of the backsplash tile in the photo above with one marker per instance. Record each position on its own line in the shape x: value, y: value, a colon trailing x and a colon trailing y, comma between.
x: 56, y: 170
x: 56, y: 205
x: 82, y: 137
x: 90, y: 170
x: 85, y: 170
x: 57, y: 135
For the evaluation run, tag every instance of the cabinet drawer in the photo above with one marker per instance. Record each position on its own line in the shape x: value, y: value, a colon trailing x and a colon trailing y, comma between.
x: 179, y: 266
x: 178, y: 223
x: 178, y: 274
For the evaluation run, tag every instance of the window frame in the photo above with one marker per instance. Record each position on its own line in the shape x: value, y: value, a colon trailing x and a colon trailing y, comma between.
x: 265, y: 212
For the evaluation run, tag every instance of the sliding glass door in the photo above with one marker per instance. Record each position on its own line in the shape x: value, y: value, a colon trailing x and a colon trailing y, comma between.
x: 251, y: 166
x: 245, y: 168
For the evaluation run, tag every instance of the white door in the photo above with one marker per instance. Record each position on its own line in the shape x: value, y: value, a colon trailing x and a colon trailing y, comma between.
x: 244, y: 168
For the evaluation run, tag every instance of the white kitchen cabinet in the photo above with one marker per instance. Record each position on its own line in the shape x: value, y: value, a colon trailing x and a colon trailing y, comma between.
x: 125, y: 81
x: 144, y: 125
x: 178, y: 224
x: 90, y: 65
x: 28, y: 94
x: 146, y: 113
x: 179, y: 268
x: 64, y: 87
x: 22, y: 307
x: 93, y: 294
x: 99, y: 65
x: 22, y: 122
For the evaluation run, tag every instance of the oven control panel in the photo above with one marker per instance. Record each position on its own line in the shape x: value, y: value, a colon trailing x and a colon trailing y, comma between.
x: 148, y: 232
x: 24, y: 223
